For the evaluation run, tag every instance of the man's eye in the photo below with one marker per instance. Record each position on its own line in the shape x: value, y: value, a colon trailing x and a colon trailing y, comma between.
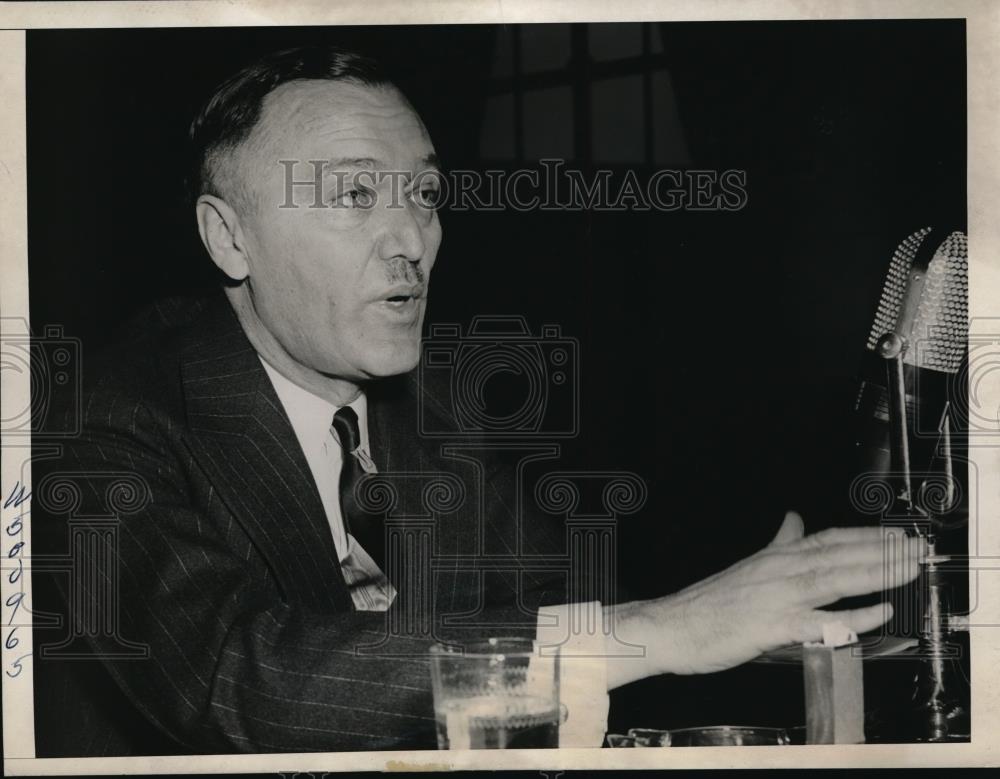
x: 355, y: 198
x: 428, y: 197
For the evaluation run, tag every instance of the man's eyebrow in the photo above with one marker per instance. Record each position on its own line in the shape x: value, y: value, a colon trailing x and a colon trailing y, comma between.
x: 352, y: 162
x: 340, y: 163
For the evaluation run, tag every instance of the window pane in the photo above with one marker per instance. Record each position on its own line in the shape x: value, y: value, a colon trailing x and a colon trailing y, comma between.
x: 503, y: 53
x: 615, y: 41
x: 656, y: 40
x: 497, y: 138
x: 617, y: 120
x: 548, y: 123
x: 544, y: 47
x: 669, y: 145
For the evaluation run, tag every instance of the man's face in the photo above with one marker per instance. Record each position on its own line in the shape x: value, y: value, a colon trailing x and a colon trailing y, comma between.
x: 342, y: 287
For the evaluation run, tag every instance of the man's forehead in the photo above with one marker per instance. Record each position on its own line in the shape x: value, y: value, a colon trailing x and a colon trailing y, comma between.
x: 351, y: 115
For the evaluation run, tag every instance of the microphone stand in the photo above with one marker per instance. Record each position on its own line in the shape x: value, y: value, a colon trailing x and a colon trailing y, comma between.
x: 939, y: 687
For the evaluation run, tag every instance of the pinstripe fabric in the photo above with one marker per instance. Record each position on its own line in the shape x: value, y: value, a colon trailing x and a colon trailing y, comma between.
x: 229, y: 574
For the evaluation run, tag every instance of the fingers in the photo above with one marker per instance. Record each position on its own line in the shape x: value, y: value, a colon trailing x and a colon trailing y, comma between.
x: 842, y: 547
x: 835, y: 556
x: 850, y: 535
x: 834, y: 551
x: 849, y: 548
x: 810, y: 626
x: 820, y: 586
x: 792, y: 529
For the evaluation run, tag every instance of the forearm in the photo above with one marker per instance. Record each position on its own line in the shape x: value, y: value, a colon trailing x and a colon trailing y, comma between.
x: 293, y: 681
x: 658, y: 627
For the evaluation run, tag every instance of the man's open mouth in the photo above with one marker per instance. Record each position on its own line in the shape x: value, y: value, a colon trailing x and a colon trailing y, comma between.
x: 404, y: 303
x: 403, y: 296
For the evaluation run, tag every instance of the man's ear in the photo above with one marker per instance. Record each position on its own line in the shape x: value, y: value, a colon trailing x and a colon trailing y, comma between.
x: 222, y: 234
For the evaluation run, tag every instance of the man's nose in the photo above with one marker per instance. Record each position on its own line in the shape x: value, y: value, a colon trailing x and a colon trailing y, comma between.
x: 404, y: 232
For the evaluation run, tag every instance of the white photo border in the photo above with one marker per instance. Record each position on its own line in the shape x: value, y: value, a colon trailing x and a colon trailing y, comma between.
x: 983, y: 58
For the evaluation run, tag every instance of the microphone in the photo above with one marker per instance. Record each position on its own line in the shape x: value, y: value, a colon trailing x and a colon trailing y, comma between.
x: 906, y: 397
x: 906, y: 407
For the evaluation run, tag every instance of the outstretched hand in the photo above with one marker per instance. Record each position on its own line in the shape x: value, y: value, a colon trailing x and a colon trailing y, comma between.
x: 771, y: 599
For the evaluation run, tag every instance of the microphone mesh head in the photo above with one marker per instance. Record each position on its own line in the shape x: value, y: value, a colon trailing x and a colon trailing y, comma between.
x: 938, y: 331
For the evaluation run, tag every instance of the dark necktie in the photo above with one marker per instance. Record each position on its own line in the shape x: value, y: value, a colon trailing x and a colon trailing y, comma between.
x: 366, y: 528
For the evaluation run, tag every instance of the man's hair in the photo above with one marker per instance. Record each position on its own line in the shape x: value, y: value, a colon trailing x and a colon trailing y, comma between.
x: 234, y: 108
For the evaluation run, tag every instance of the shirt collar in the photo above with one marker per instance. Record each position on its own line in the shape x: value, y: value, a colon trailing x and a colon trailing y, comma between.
x: 312, y: 416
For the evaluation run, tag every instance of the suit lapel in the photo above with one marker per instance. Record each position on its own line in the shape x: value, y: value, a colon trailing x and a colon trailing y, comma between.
x: 395, y: 447
x: 408, y: 459
x: 242, y: 438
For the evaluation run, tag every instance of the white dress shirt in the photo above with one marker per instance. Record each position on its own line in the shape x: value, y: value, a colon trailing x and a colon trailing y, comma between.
x: 583, y: 674
x: 312, y: 420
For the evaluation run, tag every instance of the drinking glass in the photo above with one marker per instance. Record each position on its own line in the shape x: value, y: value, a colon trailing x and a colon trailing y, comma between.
x: 499, y: 693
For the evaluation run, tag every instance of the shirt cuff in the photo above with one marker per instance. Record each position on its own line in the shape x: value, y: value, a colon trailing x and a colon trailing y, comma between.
x: 574, y: 631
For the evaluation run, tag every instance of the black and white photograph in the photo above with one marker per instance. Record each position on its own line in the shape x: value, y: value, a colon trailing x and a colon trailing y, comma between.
x: 432, y: 388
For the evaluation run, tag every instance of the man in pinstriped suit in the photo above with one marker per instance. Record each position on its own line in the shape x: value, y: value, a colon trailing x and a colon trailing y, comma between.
x: 263, y: 614
x: 264, y: 617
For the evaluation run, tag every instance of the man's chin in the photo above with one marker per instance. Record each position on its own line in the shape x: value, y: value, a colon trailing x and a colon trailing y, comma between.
x: 394, y: 361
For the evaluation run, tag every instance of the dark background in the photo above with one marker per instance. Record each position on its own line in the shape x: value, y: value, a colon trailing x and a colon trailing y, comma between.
x: 718, y: 349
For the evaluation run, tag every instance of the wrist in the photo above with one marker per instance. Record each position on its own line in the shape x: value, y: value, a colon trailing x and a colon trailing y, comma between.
x: 658, y: 626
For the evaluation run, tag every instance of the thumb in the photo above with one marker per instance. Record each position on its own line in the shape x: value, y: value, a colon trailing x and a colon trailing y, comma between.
x: 792, y: 529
